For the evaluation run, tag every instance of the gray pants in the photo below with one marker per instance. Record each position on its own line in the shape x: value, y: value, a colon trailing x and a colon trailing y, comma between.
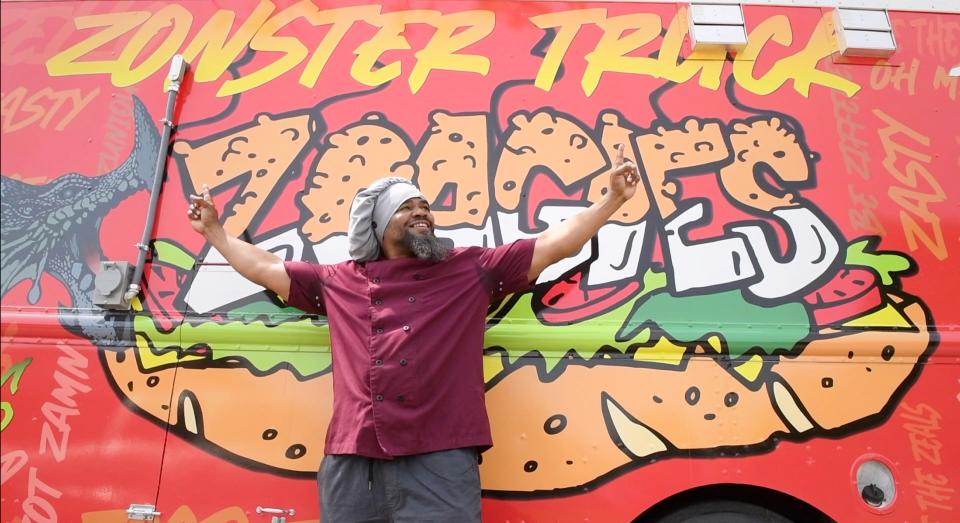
x: 438, y: 486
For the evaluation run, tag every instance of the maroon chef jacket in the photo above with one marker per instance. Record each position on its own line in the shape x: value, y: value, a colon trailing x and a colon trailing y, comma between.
x: 407, y: 342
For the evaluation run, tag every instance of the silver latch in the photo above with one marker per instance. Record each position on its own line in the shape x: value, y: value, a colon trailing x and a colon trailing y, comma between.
x: 143, y: 512
x: 281, y: 514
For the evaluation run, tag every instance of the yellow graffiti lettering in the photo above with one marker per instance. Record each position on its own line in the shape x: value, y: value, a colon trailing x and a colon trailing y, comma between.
x: 42, y: 106
x: 116, y: 132
x: 627, y: 33
x: 567, y: 23
x: 266, y: 39
x: 800, y: 67
x: 936, y: 36
x: 883, y: 74
x: 340, y: 21
x: 366, y: 68
x: 853, y: 149
x: 20, y: 42
x: 610, y: 54
x: 218, y: 50
x: 36, y: 507
x: 942, y: 79
x: 909, y: 175
x: 863, y: 213
x: 14, y: 374
x: 924, y: 442
x: 117, y: 24
x: 13, y: 462
x: 776, y: 28
x: 893, y: 148
x: 440, y: 51
x: 621, y: 35
x: 933, y: 490
x: 174, y: 16
x: 708, y: 64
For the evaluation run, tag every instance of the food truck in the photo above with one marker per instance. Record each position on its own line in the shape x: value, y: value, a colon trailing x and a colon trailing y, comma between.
x: 768, y: 330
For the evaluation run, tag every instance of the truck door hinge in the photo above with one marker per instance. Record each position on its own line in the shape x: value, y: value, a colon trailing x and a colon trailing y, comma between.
x: 142, y: 512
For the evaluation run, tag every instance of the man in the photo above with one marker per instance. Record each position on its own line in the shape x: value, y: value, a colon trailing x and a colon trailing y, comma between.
x: 407, y: 318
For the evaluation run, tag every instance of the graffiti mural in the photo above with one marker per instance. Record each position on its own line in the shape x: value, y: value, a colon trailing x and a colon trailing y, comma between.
x: 772, y: 289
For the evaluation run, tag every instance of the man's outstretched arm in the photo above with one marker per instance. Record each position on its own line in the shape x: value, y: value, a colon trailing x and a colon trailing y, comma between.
x: 568, y: 237
x: 253, y: 263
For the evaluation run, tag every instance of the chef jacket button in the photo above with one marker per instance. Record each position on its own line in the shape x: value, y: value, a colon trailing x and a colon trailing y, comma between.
x: 379, y: 330
x: 403, y: 362
x: 378, y: 362
x: 376, y: 280
x: 378, y: 302
x: 379, y: 397
x: 411, y: 299
x: 406, y: 327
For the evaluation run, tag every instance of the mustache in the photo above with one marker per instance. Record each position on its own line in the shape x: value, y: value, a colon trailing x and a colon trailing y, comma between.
x: 426, y: 247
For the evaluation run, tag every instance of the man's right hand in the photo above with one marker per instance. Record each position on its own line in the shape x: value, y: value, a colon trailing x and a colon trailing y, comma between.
x: 253, y: 263
x: 203, y: 213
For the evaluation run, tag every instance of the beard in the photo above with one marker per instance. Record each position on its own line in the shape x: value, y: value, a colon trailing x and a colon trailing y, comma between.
x: 426, y: 247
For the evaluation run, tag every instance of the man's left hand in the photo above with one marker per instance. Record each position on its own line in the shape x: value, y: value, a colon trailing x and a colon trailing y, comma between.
x: 624, y: 177
x: 568, y: 237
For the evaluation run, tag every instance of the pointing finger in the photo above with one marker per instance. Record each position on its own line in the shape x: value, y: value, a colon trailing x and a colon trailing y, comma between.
x: 197, y: 203
x: 619, y: 159
x: 206, y: 193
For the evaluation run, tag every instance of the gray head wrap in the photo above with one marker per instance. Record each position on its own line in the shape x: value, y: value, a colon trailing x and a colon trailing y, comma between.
x: 371, y: 211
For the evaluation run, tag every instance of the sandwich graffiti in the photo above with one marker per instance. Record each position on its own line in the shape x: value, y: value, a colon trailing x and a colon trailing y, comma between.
x: 763, y: 389
x: 666, y: 343
x: 732, y: 305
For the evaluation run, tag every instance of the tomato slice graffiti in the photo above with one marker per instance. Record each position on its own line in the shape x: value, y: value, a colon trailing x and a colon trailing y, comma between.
x: 566, y: 301
x: 849, y: 293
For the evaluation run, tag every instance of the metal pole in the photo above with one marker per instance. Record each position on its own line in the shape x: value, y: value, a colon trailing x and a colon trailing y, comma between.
x: 177, y: 70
